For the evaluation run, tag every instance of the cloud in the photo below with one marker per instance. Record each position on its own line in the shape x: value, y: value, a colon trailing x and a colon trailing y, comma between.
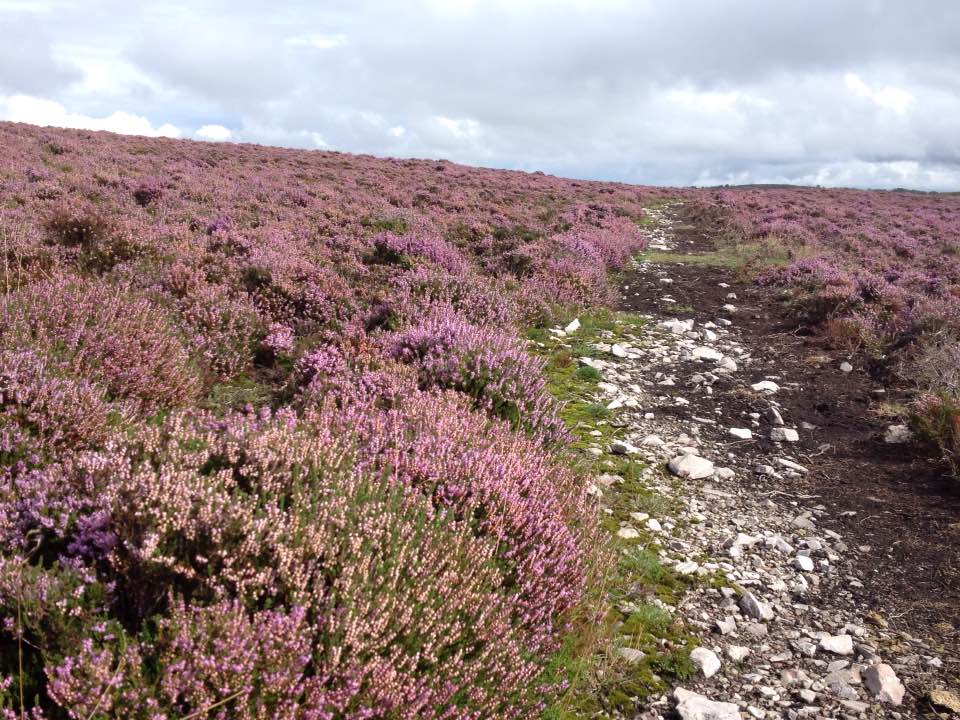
x: 36, y: 111
x: 318, y: 41
x: 26, y: 60
x: 861, y: 92
x: 217, y: 133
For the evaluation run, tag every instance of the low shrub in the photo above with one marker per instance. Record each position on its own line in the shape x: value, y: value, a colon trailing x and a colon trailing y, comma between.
x: 105, y: 334
x: 937, y: 417
x: 490, y: 367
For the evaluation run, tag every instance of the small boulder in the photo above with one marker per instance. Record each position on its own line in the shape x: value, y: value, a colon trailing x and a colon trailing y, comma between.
x: 897, y: 434
x: 765, y: 386
x: 631, y: 655
x: 693, y: 706
x: 837, y: 644
x: 573, y: 326
x: 706, y: 353
x: 706, y: 660
x: 883, y: 682
x: 741, y: 433
x: 691, y: 467
x: 782, y: 434
x: 756, y: 609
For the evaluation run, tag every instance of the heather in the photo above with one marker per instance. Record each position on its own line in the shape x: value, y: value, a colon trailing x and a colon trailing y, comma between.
x: 271, y: 444
x: 889, y: 262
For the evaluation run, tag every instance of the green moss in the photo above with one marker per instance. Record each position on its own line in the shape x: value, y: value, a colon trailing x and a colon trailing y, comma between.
x: 382, y: 224
x: 601, y: 681
x: 234, y: 394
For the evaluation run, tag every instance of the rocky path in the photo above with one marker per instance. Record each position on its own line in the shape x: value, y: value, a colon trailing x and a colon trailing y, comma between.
x: 801, y: 628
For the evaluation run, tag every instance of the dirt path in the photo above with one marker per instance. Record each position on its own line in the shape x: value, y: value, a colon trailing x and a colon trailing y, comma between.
x: 843, y: 549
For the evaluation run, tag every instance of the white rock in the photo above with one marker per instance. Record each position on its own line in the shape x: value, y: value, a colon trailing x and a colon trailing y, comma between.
x: 729, y: 308
x: 780, y: 434
x: 573, y: 326
x: 706, y: 660
x: 654, y: 525
x: 652, y: 440
x: 792, y: 465
x: 765, y: 386
x: 706, y: 353
x: 774, y: 416
x: 618, y: 351
x: 742, y: 433
x: 728, y: 364
x: 883, y: 682
x: 687, y: 567
x: 738, y: 653
x: 677, y: 327
x: 756, y: 609
x: 693, y: 706
x: 631, y: 655
x: 803, y: 563
x: 627, y: 533
x: 897, y: 434
x: 837, y: 644
x: 725, y: 473
x: 621, y: 447
x: 846, y: 367
x: 691, y: 467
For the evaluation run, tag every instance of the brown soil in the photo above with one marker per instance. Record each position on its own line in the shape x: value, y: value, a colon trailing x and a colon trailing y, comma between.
x: 893, y: 504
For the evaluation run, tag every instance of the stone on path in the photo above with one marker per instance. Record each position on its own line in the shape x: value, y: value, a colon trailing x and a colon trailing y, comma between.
x: 780, y: 434
x: 738, y: 653
x: 693, y: 706
x: 691, y: 467
x: 897, y: 434
x: 706, y: 353
x: 883, y: 682
x: 756, y: 609
x: 837, y: 644
x: 706, y: 660
x: 741, y: 433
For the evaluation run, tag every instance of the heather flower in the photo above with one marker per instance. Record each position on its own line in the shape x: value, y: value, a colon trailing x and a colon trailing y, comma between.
x: 488, y: 366
x: 106, y: 335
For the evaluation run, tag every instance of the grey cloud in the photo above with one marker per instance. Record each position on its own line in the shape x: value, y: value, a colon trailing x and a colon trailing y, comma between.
x: 860, y: 91
x: 26, y: 61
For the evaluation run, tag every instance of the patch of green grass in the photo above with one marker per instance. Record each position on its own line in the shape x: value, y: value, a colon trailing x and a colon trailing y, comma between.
x: 626, y: 609
x: 395, y: 225
x: 733, y: 255
x: 234, y: 394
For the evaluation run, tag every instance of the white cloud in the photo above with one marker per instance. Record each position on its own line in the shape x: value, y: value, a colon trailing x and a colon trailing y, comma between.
x: 460, y: 129
x: 37, y: 111
x: 216, y: 133
x: 318, y: 41
x: 889, y: 97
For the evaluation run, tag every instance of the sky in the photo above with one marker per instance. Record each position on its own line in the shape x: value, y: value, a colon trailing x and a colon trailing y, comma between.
x: 859, y: 93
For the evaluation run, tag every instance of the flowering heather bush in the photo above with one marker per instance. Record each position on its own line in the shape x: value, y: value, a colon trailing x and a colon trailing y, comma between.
x: 487, y: 365
x: 890, y: 258
x: 269, y: 444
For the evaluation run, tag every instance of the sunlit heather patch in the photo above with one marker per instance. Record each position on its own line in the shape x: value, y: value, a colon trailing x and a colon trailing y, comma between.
x: 368, y: 516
